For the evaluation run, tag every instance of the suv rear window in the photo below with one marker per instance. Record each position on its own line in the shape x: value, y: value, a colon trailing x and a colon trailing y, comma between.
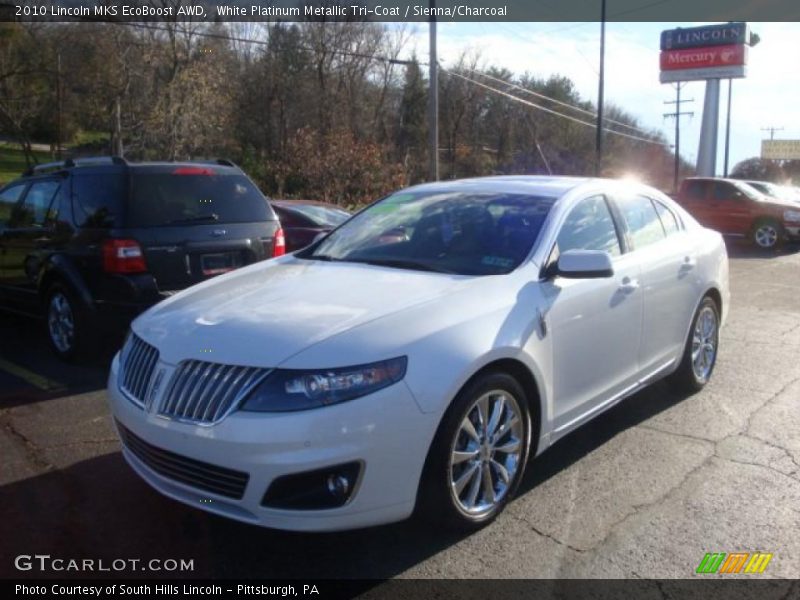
x: 194, y: 196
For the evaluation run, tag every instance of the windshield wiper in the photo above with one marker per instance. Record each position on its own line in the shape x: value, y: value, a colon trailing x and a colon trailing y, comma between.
x: 196, y: 219
x: 402, y: 263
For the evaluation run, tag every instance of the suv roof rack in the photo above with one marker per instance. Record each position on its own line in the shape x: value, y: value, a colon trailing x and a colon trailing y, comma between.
x: 74, y: 162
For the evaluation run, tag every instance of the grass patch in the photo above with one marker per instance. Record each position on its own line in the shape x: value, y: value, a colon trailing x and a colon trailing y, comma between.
x: 12, y: 161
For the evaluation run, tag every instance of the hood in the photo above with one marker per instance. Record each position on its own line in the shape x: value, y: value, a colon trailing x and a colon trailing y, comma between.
x: 263, y: 314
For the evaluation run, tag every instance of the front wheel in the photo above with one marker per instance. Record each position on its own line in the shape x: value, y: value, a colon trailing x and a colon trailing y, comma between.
x: 700, y: 352
x: 767, y: 234
x: 478, y: 456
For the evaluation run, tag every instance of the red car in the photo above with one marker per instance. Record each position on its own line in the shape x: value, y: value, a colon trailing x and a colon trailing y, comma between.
x: 735, y: 208
x: 304, y: 220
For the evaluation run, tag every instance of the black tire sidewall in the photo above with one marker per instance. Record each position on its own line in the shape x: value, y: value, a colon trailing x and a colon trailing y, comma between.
x: 435, y: 501
x: 685, y: 376
x: 78, y: 319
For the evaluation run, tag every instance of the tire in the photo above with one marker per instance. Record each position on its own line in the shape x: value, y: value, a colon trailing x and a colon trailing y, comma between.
x: 455, y: 486
x: 66, y: 323
x: 767, y: 234
x: 695, y: 371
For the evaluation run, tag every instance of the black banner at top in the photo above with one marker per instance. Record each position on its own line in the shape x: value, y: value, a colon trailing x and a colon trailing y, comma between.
x: 397, y: 10
x: 711, y: 35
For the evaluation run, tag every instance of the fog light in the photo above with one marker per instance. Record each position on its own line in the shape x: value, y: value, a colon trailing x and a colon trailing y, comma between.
x: 338, y: 485
x: 329, y: 487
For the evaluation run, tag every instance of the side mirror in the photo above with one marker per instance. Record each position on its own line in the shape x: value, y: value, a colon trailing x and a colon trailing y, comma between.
x: 584, y: 264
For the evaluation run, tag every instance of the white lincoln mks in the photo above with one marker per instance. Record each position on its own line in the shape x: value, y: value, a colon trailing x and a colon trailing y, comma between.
x: 416, y: 357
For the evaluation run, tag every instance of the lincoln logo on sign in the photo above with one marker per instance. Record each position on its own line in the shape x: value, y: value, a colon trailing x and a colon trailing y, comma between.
x: 710, y: 56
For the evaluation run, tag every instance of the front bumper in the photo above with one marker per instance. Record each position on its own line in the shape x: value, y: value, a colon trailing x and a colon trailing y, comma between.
x: 385, y: 431
x: 792, y: 231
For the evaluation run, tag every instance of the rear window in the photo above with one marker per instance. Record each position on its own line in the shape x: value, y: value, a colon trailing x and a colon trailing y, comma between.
x: 194, y: 196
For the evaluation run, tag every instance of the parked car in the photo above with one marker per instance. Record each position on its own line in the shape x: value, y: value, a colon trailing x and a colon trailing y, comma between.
x: 735, y: 208
x: 303, y: 220
x: 91, y: 243
x: 368, y: 376
x: 782, y: 192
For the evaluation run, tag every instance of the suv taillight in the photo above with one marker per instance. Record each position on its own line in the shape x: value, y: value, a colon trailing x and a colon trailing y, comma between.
x: 279, y: 245
x: 123, y: 256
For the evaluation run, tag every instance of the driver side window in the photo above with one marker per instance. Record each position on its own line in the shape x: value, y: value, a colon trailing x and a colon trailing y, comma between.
x: 589, y: 226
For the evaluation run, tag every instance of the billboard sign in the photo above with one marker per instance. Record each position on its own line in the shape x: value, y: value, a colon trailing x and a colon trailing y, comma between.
x: 709, y: 35
x: 732, y: 72
x: 780, y: 149
x: 700, y: 58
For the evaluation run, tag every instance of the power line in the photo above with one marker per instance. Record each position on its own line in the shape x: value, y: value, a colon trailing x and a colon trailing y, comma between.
x: 772, y: 131
x: 549, y: 110
x: 545, y: 97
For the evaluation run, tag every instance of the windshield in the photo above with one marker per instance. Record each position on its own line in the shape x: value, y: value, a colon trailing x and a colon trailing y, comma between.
x: 180, y: 198
x: 459, y: 232
x: 321, y: 215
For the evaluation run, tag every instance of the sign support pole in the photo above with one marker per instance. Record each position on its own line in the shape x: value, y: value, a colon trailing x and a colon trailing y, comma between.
x: 707, y: 150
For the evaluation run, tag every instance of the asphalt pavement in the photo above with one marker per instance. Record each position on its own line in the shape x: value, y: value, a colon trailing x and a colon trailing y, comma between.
x: 645, y: 490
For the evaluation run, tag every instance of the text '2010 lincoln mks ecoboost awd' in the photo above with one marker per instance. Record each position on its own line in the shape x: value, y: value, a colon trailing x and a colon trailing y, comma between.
x: 417, y: 356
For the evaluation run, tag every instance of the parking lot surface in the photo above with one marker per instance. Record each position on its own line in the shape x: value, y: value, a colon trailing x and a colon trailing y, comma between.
x: 646, y: 490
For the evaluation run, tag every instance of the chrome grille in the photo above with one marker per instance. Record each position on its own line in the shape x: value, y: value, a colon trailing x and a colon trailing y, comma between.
x: 204, y: 392
x: 202, y: 475
x: 137, y: 363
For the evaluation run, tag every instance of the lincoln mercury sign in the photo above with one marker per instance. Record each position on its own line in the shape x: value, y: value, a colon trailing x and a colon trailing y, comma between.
x: 780, y: 149
x: 712, y: 52
x: 712, y: 35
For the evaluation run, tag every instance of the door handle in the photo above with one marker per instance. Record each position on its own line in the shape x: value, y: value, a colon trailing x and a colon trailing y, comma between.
x: 688, y: 264
x: 628, y: 285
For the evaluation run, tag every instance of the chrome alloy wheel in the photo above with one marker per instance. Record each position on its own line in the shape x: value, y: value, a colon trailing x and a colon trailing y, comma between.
x: 766, y: 235
x: 704, y: 344
x: 60, y: 322
x: 486, y: 453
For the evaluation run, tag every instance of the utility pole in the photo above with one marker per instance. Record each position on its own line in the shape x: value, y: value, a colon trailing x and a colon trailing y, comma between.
x: 728, y: 127
x: 772, y: 131
x: 433, y: 99
x: 601, y: 84
x: 677, y: 116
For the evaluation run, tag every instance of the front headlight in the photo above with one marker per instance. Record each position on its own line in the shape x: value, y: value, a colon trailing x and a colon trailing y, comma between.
x: 288, y: 390
x: 792, y: 216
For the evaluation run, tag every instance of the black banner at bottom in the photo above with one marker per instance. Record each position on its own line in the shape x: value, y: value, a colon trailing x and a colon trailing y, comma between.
x: 712, y: 588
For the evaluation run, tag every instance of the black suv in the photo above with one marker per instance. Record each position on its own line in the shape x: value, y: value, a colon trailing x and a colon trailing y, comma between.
x: 91, y: 243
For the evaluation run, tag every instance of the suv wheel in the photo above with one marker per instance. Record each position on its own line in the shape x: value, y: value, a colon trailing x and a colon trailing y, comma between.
x: 477, y: 459
x: 767, y: 234
x: 66, y: 323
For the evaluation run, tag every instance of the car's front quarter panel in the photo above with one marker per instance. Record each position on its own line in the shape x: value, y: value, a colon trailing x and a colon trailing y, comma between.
x: 492, y: 319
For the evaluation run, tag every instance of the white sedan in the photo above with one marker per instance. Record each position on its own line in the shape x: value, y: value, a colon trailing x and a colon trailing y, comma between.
x: 420, y: 354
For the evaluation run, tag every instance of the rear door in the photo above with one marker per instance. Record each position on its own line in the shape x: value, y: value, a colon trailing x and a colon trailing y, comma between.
x: 194, y: 222
x: 667, y: 259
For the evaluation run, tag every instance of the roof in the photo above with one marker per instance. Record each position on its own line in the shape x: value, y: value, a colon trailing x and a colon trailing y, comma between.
x: 539, y: 185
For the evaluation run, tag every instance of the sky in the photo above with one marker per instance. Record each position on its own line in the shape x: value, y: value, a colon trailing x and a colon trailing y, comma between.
x: 767, y: 97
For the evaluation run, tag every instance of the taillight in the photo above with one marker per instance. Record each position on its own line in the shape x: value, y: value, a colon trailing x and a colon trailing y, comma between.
x: 123, y: 256
x: 279, y: 245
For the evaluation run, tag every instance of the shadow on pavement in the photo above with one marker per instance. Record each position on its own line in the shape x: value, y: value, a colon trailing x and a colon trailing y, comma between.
x: 98, y: 508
